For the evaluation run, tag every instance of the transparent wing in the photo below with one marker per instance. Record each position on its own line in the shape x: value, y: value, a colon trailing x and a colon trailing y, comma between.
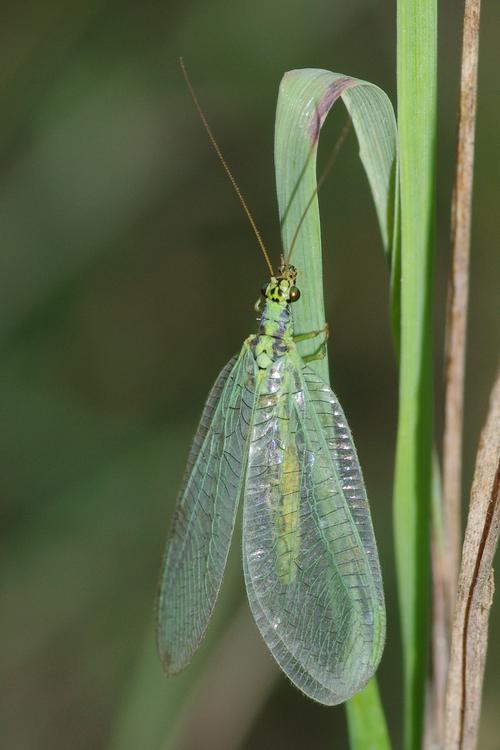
x: 199, y: 540
x: 310, y: 559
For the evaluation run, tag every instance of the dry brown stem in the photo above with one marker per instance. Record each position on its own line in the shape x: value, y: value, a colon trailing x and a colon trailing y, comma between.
x: 475, y: 590
x: 446, y: 546
x: 458, y: 297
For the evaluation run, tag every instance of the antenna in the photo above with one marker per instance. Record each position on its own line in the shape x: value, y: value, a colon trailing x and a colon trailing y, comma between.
x: 225, y: 165
x: 326, y: 171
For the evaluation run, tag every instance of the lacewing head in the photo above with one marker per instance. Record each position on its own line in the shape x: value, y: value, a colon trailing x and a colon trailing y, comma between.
x: 281, y: 288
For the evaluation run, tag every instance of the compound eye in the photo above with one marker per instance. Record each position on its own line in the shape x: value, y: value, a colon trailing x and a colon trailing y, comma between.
x: 294, y: 294
x: 263, y: 289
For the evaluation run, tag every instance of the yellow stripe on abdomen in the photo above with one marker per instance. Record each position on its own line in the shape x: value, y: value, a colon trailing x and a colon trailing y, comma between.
x: 287, y: 524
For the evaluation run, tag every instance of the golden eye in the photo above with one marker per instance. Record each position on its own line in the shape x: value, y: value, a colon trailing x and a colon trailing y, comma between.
x: 294, y: 294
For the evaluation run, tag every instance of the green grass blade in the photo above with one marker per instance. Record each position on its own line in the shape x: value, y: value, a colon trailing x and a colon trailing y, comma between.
x: 364, y: 713
x: 412, y: 489
x: 305, y: 99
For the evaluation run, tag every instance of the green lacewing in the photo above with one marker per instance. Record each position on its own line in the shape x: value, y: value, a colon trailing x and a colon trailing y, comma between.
x: 274, y: 435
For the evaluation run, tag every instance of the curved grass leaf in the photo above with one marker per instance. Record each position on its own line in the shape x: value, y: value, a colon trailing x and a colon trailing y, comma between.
x: 305, y: 98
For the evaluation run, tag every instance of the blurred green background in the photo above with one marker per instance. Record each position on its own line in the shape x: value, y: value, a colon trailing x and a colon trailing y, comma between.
x: 128, y: 279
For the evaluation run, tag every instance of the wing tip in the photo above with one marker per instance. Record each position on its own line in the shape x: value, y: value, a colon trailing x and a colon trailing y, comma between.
x: 170, y: 665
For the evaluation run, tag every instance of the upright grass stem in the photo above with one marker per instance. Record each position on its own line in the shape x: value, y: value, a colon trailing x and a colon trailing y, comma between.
x: 417, y: 71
